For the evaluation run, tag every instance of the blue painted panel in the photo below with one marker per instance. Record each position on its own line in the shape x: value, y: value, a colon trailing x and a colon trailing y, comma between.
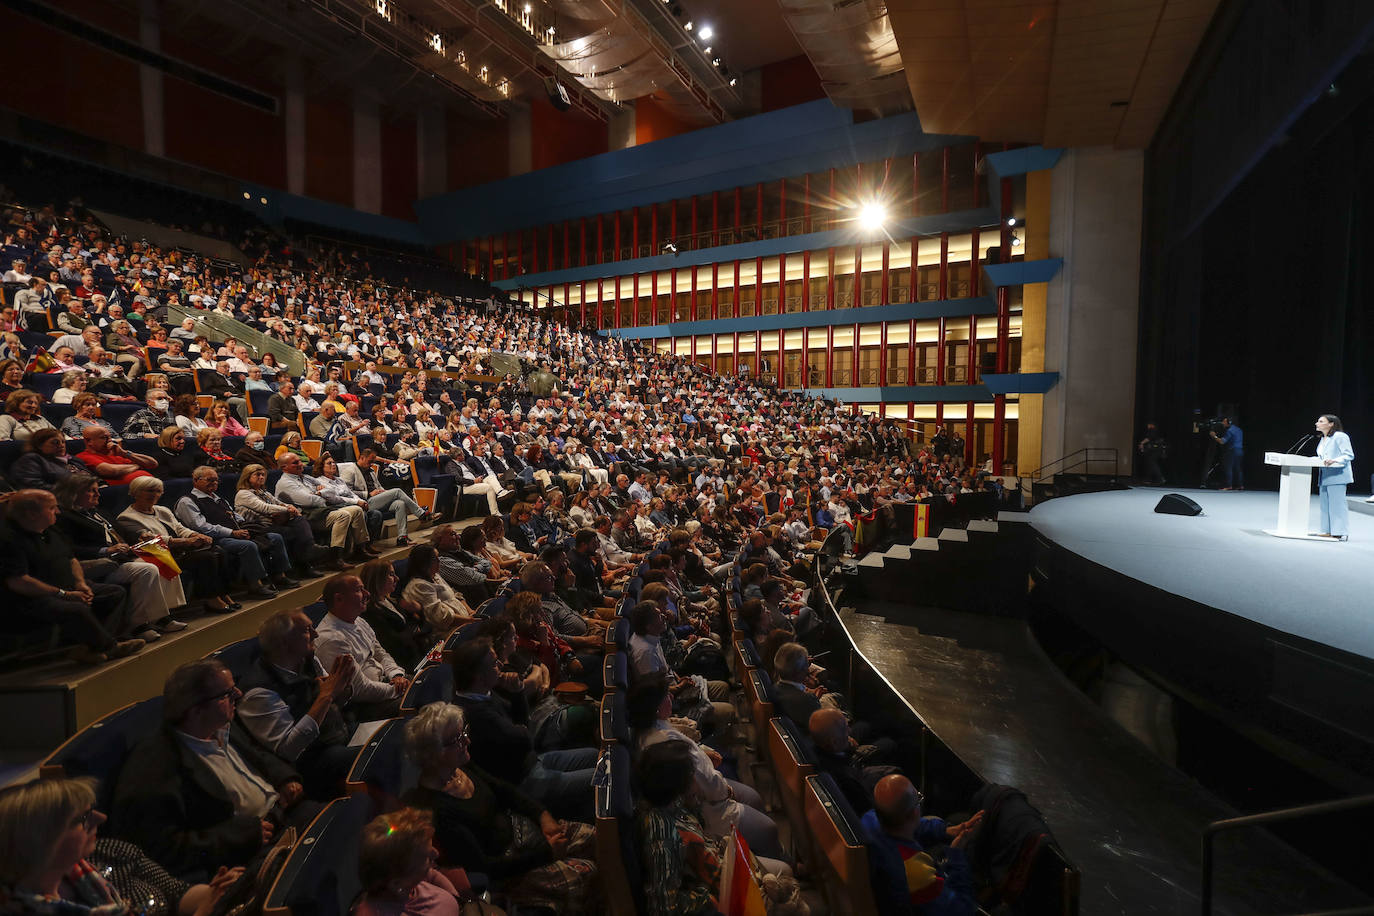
x: 281, y: 205
x: 942, y: 308
x: 1020, y: 272
x: 794, y: 141
x: 919, y: 394
x: 1023, y: 160
x: 748, y: 251
x: 1020, y: 382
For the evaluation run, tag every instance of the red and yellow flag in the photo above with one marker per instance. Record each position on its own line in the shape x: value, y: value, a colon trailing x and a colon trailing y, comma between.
x: 922, y: 521
x: 741, y: 894
x: 156, y: 553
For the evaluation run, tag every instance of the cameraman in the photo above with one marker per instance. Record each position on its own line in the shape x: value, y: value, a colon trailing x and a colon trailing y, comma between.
x: 1232, y: 444
x: 1152, y: 449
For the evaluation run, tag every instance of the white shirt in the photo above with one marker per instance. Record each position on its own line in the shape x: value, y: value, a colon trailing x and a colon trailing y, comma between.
x: 248, y: 792
x: 646, y: 655
x: 376, y: 668
x: 266, y: 715
x: 719, y: 812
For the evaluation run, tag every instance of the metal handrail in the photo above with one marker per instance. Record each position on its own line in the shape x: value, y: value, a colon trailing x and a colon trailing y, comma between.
x: 1278, y: 815
x: 218, y: 327
x: 1039, y: 474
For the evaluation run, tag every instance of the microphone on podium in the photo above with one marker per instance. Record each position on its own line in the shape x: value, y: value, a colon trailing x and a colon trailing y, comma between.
x: 1300, y: 444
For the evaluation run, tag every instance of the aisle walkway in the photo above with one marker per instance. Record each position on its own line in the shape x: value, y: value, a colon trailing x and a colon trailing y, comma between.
x: 1131, y: 823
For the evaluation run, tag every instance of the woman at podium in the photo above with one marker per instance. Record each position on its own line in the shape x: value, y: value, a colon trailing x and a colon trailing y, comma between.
x: 1336, y: 454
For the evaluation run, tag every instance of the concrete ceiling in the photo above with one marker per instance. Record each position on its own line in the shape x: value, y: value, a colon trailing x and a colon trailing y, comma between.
x: 1056, y: 72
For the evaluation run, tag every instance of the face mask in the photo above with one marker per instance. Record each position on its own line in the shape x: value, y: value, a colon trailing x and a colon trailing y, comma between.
x: 160, y: 405
x: 259, y: 445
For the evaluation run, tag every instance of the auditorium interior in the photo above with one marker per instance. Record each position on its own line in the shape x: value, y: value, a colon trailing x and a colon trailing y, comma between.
x: 902, y: 350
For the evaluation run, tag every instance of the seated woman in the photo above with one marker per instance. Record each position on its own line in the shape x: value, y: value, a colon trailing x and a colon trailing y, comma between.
x: 73, y: 383
x: 201, y: 561
x: 23, y: 416
x: 400, y: 625
x: 174, y: 457
x: 443, y: 608
x: 11, y: 376
x: 536, y: 637
x: 256, y: 503
x: 220, y: 417
x: 485, y: 824
x: 93, y: 536
x: 723, y: 804
x: 87, y: 406
x: 499, y: 549
x: 211, y: 444
x: 681, y: 864
x: 53, y: 862
x: 44, y: 462
x: 186, y: 411
x: 396, y: 870
x: 291, y: 445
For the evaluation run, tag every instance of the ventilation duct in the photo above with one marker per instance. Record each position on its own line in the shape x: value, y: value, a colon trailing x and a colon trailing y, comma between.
x: 854, y: 51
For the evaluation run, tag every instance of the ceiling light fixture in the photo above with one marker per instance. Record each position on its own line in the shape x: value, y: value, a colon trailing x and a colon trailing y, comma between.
x: 715, y: 61
x: 706, y: 33
x: 734, y: 81
x: 687, y: 25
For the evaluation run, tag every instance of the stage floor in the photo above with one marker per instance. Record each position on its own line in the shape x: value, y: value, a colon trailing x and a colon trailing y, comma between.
x: 1317, y: 590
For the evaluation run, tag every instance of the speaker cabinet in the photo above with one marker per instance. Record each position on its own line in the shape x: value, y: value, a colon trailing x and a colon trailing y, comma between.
x: 1177, y: 504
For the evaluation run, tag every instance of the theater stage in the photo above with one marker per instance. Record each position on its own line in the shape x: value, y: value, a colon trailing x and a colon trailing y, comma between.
x: 1275, y: 635
x: 1316, y: 590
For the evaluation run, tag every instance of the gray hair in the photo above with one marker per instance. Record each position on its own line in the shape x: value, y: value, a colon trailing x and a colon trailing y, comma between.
x: 791, y: 662
x: 425, y: 732
x: 272, y: 634
x: 139, y: 484
x: 188, y: 686
x: 204, y: 470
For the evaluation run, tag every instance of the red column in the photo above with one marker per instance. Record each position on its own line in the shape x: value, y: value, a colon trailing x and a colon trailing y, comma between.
x: 582, y: 242
x: 806, y: 281
x: 782, y: 283
x: 883, y: 295
x: 634, y: 309
x: 830, y: 356
x: 600, y: 297
x: 567, y: 245
x: 600, y: 241
x: 882, y: 355
x: 653, y: 298
x: 582, y: 304
x: 969, y: 457
x: 715, y: 289
x: 567, y: 294
x: 911, y: 352
x: 672, y: 294
x: 693, y: 226
x: 858, y: 275
x: 830, y: 279
x: 758, y: 286
x: 854, y: 357
x: 534, y: 251
x: 617, y: 304
x: 734, y: 293
x: 693, y: 298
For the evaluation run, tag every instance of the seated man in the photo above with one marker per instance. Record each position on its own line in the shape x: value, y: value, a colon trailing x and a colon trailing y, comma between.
x: 361, y: 477
x: 109, y: 461
x: 345, y: 523
x: 323, y: 422
x: 648, y: 623
x: 836, y: 754
x: 224, y: 385
x: 796, y: 693
x: 149, y: 422
x: 475, y: 577
x: 294, y: 709
x: 42, y: 581
x: 205, y: 511
x: 905, y: 878
x: 378, y: 682
x: 591, y: 576
x: 282, y: 412
x: 455, y: 463
x: 561, y: 780
x: 199, y: 793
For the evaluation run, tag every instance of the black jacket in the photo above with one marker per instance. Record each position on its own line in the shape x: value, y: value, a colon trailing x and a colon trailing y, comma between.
x: 87, y: 535
x: 176, y: 810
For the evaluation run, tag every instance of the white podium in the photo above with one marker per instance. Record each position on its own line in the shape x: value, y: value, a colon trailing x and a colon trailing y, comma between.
x: 1295, y: 495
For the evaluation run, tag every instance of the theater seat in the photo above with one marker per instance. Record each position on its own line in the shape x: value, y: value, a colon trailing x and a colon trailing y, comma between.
x: 615, y: 675
x: 758, y: 691
x: 839, y: 839
x: 615, y: 723
x: 617, y: 849
x: 99, y: 749
x: 381, y: 770
x: 432, y: 685
x: 238, y: 656
x: 792, y: 763
x: 320, y: 877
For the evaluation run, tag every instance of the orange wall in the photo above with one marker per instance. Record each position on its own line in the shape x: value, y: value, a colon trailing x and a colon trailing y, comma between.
x: 562, y: 136
x: 789, y: 82
x: 478, y: 151
x: 399, y: 167
x: 63, y: 80
x: 655, y: 122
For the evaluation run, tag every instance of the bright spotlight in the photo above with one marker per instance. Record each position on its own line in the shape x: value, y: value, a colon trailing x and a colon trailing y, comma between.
x: 688, y: 25
x: 1012, y: 222
x: 873, y: 216
x: 706, y: 32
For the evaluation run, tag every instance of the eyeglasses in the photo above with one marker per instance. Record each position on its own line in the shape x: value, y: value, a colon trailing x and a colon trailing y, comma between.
x: 88, y: 819
x: 460, y: 738
x: 231, y: 693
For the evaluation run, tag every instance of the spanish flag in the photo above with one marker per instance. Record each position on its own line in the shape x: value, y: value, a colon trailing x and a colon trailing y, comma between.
x: 741, y: 894
x: 922, y: 521
x: 156, y: 553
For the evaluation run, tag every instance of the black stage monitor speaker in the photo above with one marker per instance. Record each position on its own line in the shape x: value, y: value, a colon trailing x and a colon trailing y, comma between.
x: 1177, y: 504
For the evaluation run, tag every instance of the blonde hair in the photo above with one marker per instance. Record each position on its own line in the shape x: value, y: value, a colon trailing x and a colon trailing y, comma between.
x: 32, y: 818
